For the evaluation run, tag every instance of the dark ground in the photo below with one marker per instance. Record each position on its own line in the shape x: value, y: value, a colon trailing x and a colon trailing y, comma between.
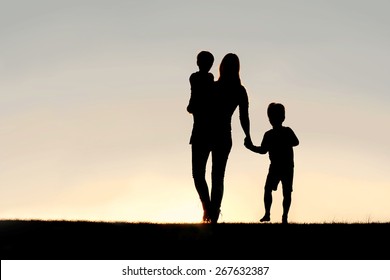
x: 65, y: 240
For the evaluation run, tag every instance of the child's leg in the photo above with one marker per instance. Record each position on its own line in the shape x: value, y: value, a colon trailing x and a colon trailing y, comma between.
x: 270, y: 184
x: 286, y: 204
x: 287, y: 181
x: 267, y: 205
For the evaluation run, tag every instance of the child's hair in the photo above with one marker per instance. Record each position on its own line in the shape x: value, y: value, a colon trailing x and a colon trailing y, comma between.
x: 205, y: 60
x: 276, y: 112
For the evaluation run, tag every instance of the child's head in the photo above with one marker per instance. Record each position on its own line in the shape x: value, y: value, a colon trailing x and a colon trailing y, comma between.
x: 276, y: 114
x: 204, y: 60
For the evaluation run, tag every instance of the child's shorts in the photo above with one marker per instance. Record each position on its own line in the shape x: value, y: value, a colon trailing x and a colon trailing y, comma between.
x: 276, y: 175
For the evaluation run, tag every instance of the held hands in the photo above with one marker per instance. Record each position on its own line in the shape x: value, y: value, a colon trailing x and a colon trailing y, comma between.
x: 248, y: 143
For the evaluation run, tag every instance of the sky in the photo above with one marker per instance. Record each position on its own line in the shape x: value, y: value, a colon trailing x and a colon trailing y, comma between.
x: 93, y: 96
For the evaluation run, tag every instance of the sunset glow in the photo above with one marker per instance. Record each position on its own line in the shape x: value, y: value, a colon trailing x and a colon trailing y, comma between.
x: 93, y: 96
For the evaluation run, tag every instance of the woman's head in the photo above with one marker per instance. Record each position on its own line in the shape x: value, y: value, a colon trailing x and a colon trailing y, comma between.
x: 229, y: 69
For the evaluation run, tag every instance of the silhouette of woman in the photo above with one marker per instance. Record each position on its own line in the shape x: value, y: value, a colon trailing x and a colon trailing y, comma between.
x: 228, y: 94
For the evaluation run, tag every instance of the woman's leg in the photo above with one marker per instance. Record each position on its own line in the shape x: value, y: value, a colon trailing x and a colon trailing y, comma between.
x: 220, y: 155
x: 200, y: 154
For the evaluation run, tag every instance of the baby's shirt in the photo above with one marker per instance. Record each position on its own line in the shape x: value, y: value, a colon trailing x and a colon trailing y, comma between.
x: 201, y: 90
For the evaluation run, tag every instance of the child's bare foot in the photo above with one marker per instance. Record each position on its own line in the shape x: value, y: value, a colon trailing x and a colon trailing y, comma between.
x: 266, y: 218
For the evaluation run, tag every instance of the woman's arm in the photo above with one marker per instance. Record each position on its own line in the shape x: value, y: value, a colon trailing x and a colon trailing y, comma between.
x: 243, y: 107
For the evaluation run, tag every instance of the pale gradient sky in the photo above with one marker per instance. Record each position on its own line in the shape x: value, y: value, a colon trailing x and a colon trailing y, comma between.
x: 93, y: 124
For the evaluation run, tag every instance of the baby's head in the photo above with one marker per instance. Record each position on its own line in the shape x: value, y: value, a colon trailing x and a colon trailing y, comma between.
x: 205, y: 60
x: 276, y: 114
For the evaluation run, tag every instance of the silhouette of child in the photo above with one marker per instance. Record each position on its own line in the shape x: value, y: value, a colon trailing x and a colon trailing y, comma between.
x: 278, y: 142
x: 201, y: 82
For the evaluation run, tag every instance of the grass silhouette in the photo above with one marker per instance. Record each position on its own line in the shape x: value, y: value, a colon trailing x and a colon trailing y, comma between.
x: 62, y: 240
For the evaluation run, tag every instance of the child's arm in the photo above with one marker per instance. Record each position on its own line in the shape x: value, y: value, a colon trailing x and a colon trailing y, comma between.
x: 293, y: 138
x: 259, y: 150
x: 256, y: 149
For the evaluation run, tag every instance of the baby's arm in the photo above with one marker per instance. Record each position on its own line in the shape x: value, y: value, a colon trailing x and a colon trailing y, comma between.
x: 190, y: 106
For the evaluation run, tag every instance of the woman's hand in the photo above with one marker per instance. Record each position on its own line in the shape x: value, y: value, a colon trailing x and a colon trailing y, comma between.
x: 248, y: 143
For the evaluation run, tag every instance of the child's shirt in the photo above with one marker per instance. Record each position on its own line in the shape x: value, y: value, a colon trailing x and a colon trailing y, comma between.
x: 279, y: 143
